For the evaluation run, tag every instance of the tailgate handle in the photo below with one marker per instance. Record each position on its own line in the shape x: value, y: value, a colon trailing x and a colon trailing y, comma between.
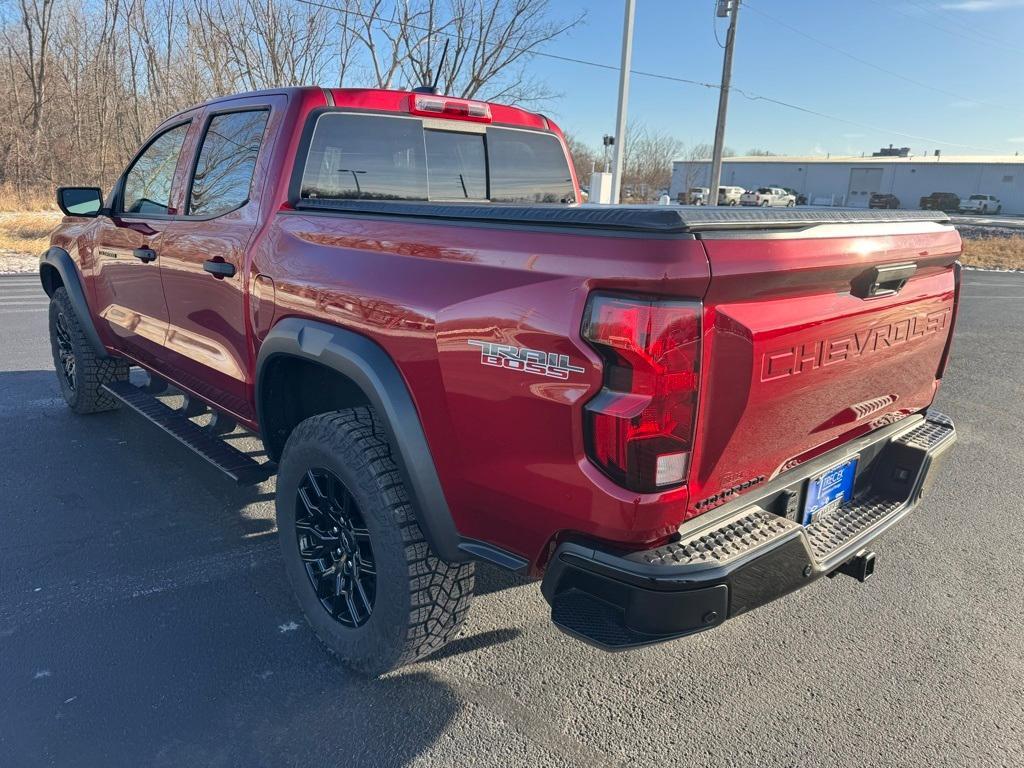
x: 877, y: 282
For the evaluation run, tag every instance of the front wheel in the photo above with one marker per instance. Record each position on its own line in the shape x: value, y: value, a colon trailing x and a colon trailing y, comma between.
x: 81, y: 372
x: 371, y: 587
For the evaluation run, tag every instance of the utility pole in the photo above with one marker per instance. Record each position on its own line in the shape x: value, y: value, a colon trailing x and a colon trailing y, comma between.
x: 620, y: 119
x: 725, y: 8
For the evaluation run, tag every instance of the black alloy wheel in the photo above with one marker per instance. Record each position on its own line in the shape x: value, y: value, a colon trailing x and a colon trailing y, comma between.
x: 334, y: 545
x: 65, y: 350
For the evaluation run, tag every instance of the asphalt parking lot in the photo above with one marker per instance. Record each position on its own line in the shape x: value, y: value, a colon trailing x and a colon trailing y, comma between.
x: 145, y: 618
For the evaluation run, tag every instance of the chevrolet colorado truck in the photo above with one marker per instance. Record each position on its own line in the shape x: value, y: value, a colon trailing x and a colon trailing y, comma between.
x: 671, y: 415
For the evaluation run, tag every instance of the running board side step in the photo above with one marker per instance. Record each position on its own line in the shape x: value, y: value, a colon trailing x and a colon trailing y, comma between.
x: 244, y: 470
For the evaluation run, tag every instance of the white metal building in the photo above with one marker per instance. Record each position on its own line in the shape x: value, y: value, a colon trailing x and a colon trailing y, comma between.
x: 851, y: 180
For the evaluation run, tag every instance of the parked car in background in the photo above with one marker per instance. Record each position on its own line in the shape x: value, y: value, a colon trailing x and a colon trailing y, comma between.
x: 981, y: 204
x: 769, y: 197
x: 800, y: 197
x: 883, y: 200
x: 941, y: 201
x: 730, y: 195
x: 697, y: 196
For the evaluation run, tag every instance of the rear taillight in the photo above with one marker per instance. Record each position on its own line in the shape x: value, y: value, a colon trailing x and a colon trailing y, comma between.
x: 639, y: 427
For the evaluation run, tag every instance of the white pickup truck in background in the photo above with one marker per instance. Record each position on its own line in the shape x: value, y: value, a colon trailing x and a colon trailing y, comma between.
x: 768, y: 197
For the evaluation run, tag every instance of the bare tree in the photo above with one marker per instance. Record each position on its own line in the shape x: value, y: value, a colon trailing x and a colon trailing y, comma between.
x: 647, y: 161
x: 37, y: 23
x: 85, y: 81
x: 489, y: 44
x: 585, y: 159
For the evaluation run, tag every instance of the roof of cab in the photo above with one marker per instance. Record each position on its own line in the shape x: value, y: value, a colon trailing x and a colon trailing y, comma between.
x: 380, y: 100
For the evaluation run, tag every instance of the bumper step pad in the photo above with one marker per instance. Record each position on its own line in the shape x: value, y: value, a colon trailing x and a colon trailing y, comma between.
x: 738, y: 562
x: 732, y: 539
x: 241, y: 468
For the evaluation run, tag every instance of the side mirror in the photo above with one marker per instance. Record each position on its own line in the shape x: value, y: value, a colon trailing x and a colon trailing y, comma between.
x: 80, y: 201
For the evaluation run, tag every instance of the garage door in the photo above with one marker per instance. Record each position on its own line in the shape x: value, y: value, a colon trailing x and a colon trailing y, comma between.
x: 863, y: 181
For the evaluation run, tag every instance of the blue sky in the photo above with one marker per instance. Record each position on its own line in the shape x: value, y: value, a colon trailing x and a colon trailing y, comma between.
x: 966, y: 58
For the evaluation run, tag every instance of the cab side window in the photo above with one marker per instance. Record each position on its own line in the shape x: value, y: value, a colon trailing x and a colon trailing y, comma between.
x: 227, y: 160
x: 147, y: 186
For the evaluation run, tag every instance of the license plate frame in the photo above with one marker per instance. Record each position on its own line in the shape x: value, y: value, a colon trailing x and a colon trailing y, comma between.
x: 828, y: 490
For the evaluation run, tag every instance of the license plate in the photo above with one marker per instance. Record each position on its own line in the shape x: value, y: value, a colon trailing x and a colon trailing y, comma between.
x: 828, y: 491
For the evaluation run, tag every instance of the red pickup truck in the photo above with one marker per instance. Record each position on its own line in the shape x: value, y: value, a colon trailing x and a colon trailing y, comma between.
x: 671, y: 414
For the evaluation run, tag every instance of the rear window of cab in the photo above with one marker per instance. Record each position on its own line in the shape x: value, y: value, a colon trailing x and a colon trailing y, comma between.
x: 378, y: 157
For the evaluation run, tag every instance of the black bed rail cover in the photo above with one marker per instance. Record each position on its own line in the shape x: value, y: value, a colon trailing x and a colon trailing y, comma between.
x: 654, y: 219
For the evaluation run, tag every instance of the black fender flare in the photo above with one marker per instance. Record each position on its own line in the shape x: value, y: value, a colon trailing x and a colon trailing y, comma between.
x: 60, y: 260
x: 366, y: 364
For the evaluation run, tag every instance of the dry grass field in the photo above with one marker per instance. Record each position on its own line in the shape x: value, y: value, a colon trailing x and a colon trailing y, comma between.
x: 27, y: 232
x: 994, y: 252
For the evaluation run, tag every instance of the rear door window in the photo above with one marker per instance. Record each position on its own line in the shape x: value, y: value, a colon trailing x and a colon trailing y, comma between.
x: 226, y: 162
x: 147, y: 185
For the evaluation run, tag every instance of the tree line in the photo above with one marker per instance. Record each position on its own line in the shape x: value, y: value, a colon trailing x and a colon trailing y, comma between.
x: 85, y: 81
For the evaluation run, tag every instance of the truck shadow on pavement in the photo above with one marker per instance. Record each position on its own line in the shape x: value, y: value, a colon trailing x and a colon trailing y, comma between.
x: 145, y: 617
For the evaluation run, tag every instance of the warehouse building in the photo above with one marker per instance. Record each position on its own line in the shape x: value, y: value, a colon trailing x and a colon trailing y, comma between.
x: 850, y: 181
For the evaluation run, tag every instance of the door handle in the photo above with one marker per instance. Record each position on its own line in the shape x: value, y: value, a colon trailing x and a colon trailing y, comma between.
x: 219, y: 269
x: 145, y: 255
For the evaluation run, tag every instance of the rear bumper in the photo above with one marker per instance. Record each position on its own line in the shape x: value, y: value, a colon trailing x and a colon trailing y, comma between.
x: 745, y: 554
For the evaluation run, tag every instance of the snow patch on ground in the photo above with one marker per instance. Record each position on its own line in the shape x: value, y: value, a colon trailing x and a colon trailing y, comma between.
x: 14, y: 263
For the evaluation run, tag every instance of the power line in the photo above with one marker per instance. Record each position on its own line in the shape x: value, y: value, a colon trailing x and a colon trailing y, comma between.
x: 958, y: 32
x: 714, y: 22
x: 749, y: 95
x: 988, y: 38
x: 872, y: 64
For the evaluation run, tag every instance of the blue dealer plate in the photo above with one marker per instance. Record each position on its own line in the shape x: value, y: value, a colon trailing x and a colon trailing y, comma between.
x: 829, y: 490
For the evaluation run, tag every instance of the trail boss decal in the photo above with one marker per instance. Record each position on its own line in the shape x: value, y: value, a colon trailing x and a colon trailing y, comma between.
x: 535, y: 361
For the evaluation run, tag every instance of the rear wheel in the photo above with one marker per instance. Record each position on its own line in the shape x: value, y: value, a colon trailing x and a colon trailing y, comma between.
x: 81, y: 372
x: 371, y: 587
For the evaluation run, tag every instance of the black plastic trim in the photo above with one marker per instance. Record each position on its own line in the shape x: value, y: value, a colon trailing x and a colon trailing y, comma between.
x: 653, y: 219
x: 481, y: 550
x: 616, y: 599
x: 61, y: 260
x: 372, y: 370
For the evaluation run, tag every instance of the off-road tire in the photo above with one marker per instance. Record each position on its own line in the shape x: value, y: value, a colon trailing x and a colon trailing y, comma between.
x: 420, y: 601
x: 84, y: 392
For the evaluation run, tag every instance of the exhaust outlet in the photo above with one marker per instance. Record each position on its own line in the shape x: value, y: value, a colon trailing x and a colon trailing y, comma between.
x: 861, y: 566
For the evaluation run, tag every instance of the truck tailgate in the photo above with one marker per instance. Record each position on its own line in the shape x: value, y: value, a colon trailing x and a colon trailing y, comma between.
x: 798, y: 358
